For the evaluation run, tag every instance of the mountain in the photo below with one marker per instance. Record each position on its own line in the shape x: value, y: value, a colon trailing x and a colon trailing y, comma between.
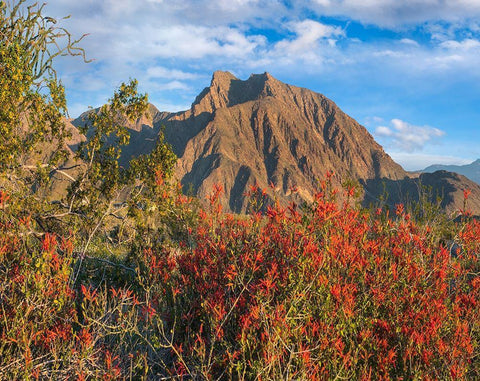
x: 238, y: 133
x: 143, y: 134
x: 472, y: 170
x: 261, y: 131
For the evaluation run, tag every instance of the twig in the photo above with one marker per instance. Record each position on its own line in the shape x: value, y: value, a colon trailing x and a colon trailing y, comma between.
x: 113, y: 264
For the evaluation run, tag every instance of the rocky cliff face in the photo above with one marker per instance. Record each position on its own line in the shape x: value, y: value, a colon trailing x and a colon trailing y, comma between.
x: 238, y: 133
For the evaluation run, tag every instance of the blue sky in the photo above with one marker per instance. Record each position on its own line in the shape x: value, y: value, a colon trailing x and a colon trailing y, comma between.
x: 408, y: 70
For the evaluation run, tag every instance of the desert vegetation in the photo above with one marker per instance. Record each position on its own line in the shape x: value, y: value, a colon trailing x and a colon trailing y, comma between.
x: 125, y: 277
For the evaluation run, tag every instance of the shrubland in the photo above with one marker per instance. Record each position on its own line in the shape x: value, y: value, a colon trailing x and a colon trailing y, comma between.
x: 160, y: 286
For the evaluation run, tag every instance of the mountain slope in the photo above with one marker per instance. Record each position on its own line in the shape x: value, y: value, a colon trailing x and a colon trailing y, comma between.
x: 238, y: 133
x: 61, y: 175
x: 447, y: 186
x: 472, y: 170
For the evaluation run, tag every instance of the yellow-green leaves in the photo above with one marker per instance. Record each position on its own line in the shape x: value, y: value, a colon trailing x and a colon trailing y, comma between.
x: 107, y: 132
x: 32, y: 100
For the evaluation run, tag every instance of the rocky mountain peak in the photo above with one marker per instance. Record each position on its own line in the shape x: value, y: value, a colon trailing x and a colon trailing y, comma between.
x: 216, y: 95
x: 261, y: 130
x: 226, y: 90
x: 222, y: 79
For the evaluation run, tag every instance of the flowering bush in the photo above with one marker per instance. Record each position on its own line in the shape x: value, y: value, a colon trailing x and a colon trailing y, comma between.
x: 332, y: 292
x: 328, y: 291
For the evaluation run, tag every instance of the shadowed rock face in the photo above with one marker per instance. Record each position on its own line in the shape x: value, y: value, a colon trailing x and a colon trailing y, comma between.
x: 472, y: 170
x: 143, y: 134
x: 446, y: 186
x: 262, y: 131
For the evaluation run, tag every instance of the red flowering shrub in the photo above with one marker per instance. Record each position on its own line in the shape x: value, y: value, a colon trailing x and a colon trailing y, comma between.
x: 36, y: 301
x: 328, y: 291
x: 331, y: 292
x: 48, y: 328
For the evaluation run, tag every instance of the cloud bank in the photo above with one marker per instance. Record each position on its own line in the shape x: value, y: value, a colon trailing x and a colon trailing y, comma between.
x: 395, y: 13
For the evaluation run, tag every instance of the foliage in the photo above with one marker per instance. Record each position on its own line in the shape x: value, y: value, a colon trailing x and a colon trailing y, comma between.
x: 336, y: 293
x: 102, y: 180
x: 32, y: 99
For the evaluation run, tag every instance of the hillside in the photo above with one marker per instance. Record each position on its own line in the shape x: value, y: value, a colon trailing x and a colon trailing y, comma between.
x: 445, y: 186
x: 472, y: 170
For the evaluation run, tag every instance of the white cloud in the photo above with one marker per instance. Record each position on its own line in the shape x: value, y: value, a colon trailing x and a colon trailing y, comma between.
x: 191, y: 41
x: 132, y: 42
x: 307, y: 35
x: 408, y: 41
x: 395, y: 13
x: 163, y: 72
x: 460, y: 56
x: 394, y: 54
x: 312, y: 44
x: 198, y: 12
x: 408, y: 137
x: 464, y: 45
x: 234, y: 5
x: 383, y: 131
x: 448, y: 59
x: 373, y: 120
x: 173, y: 85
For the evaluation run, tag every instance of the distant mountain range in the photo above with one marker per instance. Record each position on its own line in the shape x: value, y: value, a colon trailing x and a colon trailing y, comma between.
x: 472, y: 170
x: 261, y: 131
